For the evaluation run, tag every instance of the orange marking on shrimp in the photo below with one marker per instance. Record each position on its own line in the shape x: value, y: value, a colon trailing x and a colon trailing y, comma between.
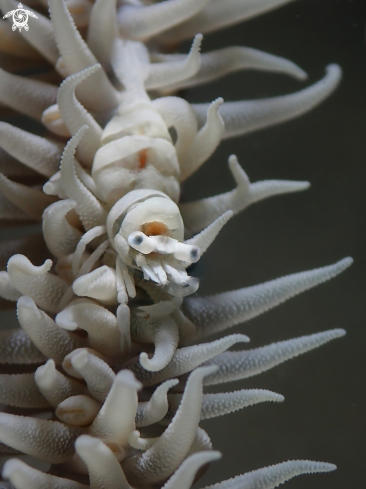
x: 155, y: 228
x: 142, y: 158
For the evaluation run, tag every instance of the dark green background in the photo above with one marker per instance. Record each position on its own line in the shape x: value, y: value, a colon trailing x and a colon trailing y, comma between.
x: 323, y: 416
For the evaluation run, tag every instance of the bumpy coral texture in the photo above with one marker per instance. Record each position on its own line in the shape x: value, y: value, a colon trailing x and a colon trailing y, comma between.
x: 111, y: 354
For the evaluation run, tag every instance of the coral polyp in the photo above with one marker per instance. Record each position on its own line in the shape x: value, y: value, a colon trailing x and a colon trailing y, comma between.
x: 111, y: 346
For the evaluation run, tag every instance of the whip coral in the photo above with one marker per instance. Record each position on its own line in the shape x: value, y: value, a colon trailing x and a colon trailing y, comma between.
x: 111, y: 347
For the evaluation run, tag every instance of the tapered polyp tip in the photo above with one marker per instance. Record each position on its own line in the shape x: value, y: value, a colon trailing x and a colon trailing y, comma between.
x: 217, y: 102
x: 149, y: 363
x: 168, y: 384
x: 239, y: 338
x: 209, y: 369
x: 127, y: 378
x: 205, y: 456
x: 201, y: 372
x: 25, y: 301
x: 274, y: 397
x: 232, y: 159
x: 334, y: 70
x: 85, y: 444
x: 338, y: 333
x: 80, y: 359
x: 214, y: 455
x: 313, y: 467
x: 337, y: 268
x: 11, y: 467
x: 303, y: 185
x: 94, y: 451
x: 346, y: 262
x: 300, y: 74
x: 45, y: 374
x: 49, y: 189
x: 65, y: 320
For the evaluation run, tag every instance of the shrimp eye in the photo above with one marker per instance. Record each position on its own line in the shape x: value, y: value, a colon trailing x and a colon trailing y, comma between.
x: 186, y: 252
x: 194, y: 254
x: 140, y: 242
x: 137, y: 240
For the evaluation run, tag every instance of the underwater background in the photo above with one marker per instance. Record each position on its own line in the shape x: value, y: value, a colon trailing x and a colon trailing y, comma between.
x: 323, y: 416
